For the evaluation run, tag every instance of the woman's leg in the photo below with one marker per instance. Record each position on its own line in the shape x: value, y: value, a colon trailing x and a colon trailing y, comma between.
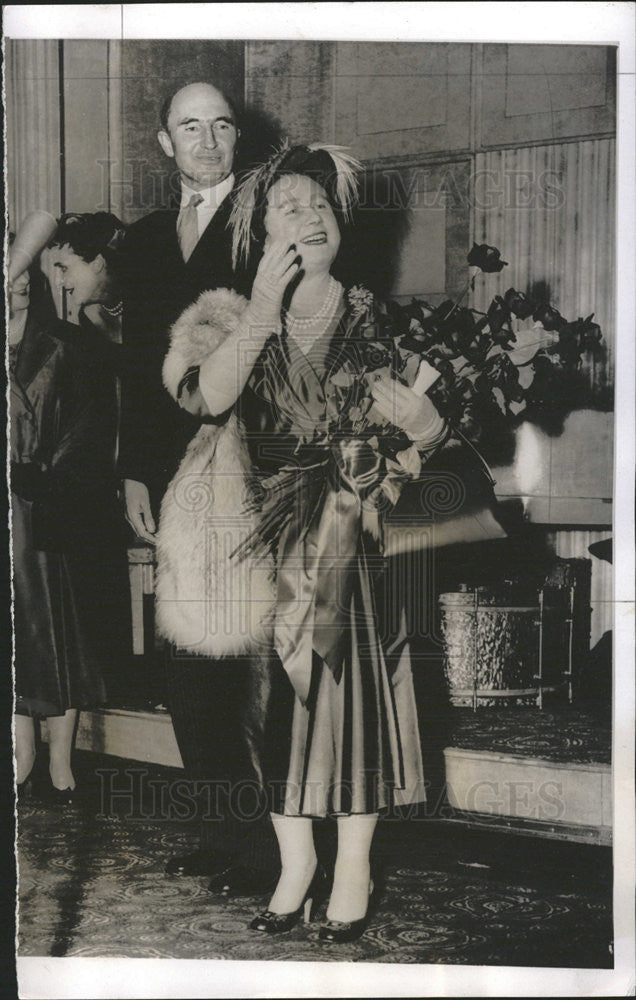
x: 350, y: 894
x: 298, y: 861
x: 24, y: 746
x: 61, y: 729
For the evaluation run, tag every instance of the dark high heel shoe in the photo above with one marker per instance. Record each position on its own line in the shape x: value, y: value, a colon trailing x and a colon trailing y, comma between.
x: 277, y: 923
x: 61, y: 796
x: 343, y: 931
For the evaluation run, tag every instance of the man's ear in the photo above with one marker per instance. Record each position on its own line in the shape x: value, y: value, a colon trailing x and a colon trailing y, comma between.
x: 165, y: 142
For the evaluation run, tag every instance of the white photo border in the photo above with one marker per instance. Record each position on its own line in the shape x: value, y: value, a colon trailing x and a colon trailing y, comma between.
x: 559, y: 23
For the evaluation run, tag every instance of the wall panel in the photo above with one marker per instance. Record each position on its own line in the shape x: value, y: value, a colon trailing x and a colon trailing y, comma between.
x: 293, y: 86
x: 33, y: 127
x: 402, y: 102
x: 432, y: 253
x: 544, y: 93
x: 86, y: 126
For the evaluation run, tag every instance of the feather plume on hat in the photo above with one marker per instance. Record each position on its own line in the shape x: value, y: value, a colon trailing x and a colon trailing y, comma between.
x: 340, y: 182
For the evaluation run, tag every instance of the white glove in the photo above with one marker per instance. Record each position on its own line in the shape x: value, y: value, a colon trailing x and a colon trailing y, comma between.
x: 415, y: 415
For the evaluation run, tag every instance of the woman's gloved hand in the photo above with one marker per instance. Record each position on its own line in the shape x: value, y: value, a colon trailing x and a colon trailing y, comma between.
x: 278, y: 265
x: 415, y: 415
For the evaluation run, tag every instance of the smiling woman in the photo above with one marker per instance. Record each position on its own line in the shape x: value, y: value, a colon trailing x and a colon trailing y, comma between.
x: 345, y: 742
x: 298, y: 212
x: 86, y: 260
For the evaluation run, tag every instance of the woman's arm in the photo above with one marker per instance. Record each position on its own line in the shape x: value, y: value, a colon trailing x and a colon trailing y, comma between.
x: 223, y: 375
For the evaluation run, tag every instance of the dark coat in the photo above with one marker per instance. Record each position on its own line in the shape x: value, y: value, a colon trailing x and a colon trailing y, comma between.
x: 64, y: 431
x: 63, y: 406
x: 155, y: 430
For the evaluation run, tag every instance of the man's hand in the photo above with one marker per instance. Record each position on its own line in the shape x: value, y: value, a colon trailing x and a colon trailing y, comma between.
x: 138, y: 513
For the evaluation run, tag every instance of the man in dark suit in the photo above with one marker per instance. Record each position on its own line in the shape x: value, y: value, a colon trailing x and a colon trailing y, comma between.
x: 217, y: 708
x: 162, y: 279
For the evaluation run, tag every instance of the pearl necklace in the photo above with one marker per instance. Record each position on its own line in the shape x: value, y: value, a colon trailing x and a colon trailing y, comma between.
x: 115, y: 311
x: 325, y: 313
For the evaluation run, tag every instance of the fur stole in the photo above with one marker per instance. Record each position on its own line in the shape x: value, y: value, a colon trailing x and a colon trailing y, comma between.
x: 209, y: 604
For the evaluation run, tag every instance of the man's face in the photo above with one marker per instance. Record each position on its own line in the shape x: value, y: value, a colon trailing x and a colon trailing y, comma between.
x: 201, y: 135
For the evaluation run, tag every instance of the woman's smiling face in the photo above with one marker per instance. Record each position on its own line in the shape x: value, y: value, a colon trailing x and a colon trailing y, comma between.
x: 298, y: 211
x: 83, y: 280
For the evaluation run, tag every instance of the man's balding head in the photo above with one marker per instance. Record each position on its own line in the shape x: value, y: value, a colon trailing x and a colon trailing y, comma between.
x: 199, y: 130
x: 164, y: 111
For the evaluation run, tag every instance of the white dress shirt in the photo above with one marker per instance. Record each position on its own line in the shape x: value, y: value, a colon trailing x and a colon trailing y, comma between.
x: 212, y: 198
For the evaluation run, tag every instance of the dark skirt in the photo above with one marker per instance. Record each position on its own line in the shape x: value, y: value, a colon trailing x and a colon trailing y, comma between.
x: 56, y: 666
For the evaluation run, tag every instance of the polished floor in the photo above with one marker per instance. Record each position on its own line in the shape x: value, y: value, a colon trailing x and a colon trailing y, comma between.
x: 91, y: 883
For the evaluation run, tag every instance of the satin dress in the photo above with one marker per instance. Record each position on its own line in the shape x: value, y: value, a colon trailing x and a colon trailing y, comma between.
x: 343, y: 735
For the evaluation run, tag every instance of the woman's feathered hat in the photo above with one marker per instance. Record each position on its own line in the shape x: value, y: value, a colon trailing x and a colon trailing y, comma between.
x: 333, y: 167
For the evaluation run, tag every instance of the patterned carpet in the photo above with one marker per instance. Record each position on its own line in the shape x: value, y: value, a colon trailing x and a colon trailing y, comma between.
x: 92, y: 886
x: 564, y: 736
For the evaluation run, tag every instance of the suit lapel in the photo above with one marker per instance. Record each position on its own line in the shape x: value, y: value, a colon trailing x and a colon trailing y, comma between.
x: 167, y: 243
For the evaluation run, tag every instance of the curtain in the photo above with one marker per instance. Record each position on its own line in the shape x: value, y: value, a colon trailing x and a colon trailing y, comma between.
x: 550, y: 210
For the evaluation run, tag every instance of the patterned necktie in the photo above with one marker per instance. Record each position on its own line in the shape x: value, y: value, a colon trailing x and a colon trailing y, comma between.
x: 187, y: 226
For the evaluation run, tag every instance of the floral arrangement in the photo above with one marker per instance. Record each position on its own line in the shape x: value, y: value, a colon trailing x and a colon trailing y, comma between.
x: 482, y: 376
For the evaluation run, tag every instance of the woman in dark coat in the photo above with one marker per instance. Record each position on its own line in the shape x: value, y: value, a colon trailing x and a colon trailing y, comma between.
x: 63, y: 412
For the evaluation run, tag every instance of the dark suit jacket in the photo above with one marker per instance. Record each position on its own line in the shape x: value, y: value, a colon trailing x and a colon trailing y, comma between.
x: 158, y: 286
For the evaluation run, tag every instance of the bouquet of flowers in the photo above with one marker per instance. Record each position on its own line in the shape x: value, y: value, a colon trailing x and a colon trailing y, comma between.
x: 482, y: 376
